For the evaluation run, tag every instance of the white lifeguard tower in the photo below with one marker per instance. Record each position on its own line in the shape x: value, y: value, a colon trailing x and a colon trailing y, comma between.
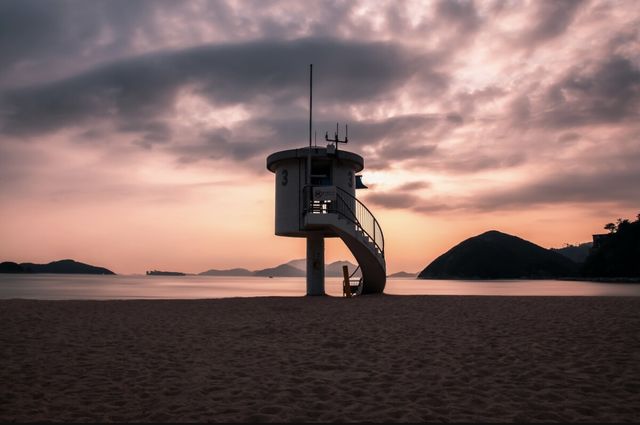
x: 316, y: 199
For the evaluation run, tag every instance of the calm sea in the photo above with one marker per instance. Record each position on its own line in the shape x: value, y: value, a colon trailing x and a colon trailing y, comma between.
x: 67, y: 287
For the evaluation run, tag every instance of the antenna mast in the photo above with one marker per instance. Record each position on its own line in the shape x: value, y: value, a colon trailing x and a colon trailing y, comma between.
x: 336, y: 138
x: 308, y: 182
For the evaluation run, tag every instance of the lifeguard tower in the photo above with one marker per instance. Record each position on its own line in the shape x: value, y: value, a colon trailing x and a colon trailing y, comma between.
x: 316, y: 199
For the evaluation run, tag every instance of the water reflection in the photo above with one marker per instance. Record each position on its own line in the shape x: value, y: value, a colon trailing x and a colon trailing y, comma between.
x: 49, y: 286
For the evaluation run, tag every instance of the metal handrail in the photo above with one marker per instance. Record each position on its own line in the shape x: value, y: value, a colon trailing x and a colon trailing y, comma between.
x: 362, y: 218
x: 354, y: 272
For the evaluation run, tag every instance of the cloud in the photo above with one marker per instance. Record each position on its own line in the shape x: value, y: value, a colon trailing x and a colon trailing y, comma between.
x: 389, y: 141
x: 223, y: 143
x: 551, y: 19
x: 392, y: 200
x: 41, y: 41
x: 476, y: 157
x: 415, y: 185
x: 442, y: 95
x: 618, y: 186
x: 46, y: 173
x: 461, y: 14
x: 399, y: 198
x: 412, y: 138
x: 569, y: 137
x: 520, y: 110
x: 430, y: 206
x: 137, y: 90
x: 605, y: 92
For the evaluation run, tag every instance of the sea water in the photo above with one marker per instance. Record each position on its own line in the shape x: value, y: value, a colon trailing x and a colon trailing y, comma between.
x: 104, y: 287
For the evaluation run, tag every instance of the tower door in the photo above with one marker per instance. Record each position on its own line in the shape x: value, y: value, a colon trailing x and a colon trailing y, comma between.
x: 321, y: 174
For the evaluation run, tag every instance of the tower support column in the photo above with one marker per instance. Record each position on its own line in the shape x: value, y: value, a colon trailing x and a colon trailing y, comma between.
x: 315, y: 263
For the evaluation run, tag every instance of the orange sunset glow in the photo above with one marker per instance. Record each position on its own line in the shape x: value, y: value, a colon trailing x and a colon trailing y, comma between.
x: 138, y: 140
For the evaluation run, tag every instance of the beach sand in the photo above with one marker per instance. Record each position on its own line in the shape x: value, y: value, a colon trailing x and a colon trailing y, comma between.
x: 374, y: 358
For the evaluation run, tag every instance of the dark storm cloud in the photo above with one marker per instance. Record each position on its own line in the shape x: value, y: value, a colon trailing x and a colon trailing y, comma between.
x: 431, y: 206
x: 408, y: 201
x: 606, y: 93
x: 462, y: 14
x: 415, y: 185
x: 624, y: 37
x: 221, y: 143
x: 144, y: 88
x: 392, y: 200
x: 467, y: 102
x: 401, y: 128
x: 551, y: 19
x: 41, y: 39
x: 620, y: 186
x: 55, y: 37
x: 446, y: 22
x: 130, y: 92
x: 467, y: 161
x: 412, y: 137
x: 151, y: 133
x: 35, y: 28
x: 399, y: 151
x: 394, y: 139
x: 602, y: 186
x: 568, y: 137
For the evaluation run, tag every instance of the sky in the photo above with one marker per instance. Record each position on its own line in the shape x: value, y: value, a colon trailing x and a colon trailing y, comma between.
x: 134, y: 134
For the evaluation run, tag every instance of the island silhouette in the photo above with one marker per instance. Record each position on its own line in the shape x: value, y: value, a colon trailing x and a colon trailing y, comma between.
x: 617, y: 253
x: 498, y: 255
x: 66, y: 266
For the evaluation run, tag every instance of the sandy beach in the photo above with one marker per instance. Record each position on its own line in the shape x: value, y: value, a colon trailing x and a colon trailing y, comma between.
x: 376, y: 358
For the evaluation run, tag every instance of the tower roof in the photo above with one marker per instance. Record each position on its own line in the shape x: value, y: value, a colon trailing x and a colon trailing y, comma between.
x: 316, y: 153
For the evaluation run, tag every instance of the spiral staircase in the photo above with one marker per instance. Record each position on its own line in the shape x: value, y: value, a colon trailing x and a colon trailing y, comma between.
x: 351, y: 220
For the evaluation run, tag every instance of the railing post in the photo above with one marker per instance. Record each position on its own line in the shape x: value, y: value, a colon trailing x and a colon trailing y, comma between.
x: 346, y: 284
x: 374, y: 232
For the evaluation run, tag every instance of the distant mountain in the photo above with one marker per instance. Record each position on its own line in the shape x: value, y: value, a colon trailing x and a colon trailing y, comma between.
x: 576, y: 253
x: 330, y: 270
x: 62, y: 266
x: 283, y: 270
x: 335, y: 269
x: 228, y: 272
x: 294, y: 268
x: 497, y: 255
x: 300, y: 263
x: 618, y: 255
x: 403, y: 275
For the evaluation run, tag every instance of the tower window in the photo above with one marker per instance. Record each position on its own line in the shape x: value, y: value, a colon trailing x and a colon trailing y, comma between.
x: 321, y: 173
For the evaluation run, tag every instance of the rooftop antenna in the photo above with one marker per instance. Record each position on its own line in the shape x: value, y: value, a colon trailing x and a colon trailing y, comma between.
x: 336, y: 138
